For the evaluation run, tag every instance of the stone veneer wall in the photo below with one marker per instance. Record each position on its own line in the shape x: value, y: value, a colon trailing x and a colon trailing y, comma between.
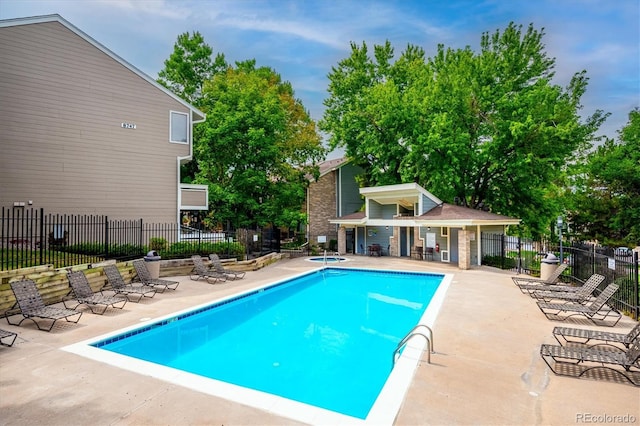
x: 322, y: 205
x: 464, y: 249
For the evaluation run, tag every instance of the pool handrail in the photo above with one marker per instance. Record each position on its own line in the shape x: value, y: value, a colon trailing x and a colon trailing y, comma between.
x: 412, y: 333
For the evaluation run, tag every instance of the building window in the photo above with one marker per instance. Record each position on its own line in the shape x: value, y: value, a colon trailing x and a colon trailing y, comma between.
x: 179, y: 128
x: 444, y: 232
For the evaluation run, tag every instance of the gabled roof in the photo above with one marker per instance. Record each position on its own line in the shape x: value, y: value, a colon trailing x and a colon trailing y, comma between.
x: 441, y: 215
x: 406, y: 194
x: 196, y: 115
x: 331, y: 165
x: 357, y: 218
x: 446, y: 213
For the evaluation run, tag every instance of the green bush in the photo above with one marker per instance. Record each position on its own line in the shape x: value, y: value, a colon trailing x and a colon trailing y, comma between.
x: 127, y: 250
x: 84, y: 248
x: 185, y: 249
x: 97, y: 249
x: 157, y: 243
x: 496, y: 261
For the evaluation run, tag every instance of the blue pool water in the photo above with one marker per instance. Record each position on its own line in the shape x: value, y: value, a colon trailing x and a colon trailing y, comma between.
x: 325, y: 338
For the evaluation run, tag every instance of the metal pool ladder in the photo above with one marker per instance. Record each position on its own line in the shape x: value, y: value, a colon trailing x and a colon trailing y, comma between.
x: 415, y: 332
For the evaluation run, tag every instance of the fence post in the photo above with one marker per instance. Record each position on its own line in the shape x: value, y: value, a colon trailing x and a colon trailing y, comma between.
x: 519, y: 255
x: 636, y: 290
x: 141, y: 233
x: 106, y: 237
x: 501, y: 251
x: 43, y: 238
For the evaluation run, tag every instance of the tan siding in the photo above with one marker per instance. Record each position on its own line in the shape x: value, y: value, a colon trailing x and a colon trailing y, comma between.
x: 62, y: 103
x: 192, y: 197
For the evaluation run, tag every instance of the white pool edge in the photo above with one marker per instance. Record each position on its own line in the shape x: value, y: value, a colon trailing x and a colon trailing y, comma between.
x: 383, y: 411
x: 387, y: 405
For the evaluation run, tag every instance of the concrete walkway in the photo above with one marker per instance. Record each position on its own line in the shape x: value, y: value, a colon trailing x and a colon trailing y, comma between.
x: 486, y: 369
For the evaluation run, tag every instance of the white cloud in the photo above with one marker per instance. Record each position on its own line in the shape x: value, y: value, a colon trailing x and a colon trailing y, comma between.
x: 302, y: 40
x: 303, y: 30
x: 149, y: 8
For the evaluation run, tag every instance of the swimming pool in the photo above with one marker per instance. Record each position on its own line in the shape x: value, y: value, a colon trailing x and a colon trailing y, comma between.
x: 323, y: 339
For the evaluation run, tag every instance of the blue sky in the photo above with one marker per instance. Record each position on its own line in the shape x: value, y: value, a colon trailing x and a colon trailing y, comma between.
x: 302, y: 40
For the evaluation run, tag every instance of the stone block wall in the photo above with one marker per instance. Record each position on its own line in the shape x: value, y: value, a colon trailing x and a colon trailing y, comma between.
x: 53, y: 285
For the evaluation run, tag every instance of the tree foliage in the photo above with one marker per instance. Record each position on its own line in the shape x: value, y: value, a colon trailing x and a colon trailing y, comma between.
x: 189, y: 66
x: 488, y: 129
x: 258, y: 143
x: 606, y: 202
x: 256, y: 148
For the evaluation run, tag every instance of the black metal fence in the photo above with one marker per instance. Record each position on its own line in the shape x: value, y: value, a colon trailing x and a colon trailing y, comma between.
x: 29, y: 237
x: 583, y: 260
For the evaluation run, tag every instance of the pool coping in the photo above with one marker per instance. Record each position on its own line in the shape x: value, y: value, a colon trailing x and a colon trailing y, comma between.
x: 384, y: 410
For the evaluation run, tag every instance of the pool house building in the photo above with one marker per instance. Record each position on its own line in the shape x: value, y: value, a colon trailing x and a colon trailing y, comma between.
x: 406, y: 220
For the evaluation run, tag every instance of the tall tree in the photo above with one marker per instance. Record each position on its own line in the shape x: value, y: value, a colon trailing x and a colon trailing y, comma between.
x: 256, y: 149
x: 606, y: 202
x: 488, y: 129
x: 189, y: 66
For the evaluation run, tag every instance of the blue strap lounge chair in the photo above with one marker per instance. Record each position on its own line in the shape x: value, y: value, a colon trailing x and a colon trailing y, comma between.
x: 82, y: 294
x: 581, y: 294
x: 7, y: 338
x: 133, y: 292
x: 200, y: 270
x: 144, y: 276
x: 218, y: 267
x: 597, y: 363
x: 593, y: 338
x: 31, y: 305
x: 597, y: 311
x: 526, y: 284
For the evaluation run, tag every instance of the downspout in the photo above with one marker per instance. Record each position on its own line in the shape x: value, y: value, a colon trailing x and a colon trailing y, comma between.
x: 308, y: 227
x: 339, y: 193
x: 185, y: 158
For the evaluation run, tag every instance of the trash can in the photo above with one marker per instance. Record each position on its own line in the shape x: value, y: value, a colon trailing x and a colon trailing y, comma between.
x: 152, y: 262
x: 548, y: 265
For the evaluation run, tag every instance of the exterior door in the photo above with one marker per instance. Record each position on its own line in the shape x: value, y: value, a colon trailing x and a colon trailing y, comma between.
x: 350, y: 240
x: 453, y: 244
x: 403, y: 242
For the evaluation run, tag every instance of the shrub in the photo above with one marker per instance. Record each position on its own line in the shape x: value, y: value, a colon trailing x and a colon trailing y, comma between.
x: 185, y: 249
x: 158, y: 243
x: 497, y: 261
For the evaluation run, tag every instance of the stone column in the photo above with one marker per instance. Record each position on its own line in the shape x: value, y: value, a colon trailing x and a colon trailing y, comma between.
x: 342, y: 240
x: 416, y: 236
x: 464, y: 249
x: 393, y: 242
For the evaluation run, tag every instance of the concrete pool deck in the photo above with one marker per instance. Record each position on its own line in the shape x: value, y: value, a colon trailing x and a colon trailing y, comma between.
x: 486, y: 368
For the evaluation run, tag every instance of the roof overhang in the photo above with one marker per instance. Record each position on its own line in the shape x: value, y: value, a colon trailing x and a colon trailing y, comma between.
x: 415, y: 222
x: 349, y: 222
